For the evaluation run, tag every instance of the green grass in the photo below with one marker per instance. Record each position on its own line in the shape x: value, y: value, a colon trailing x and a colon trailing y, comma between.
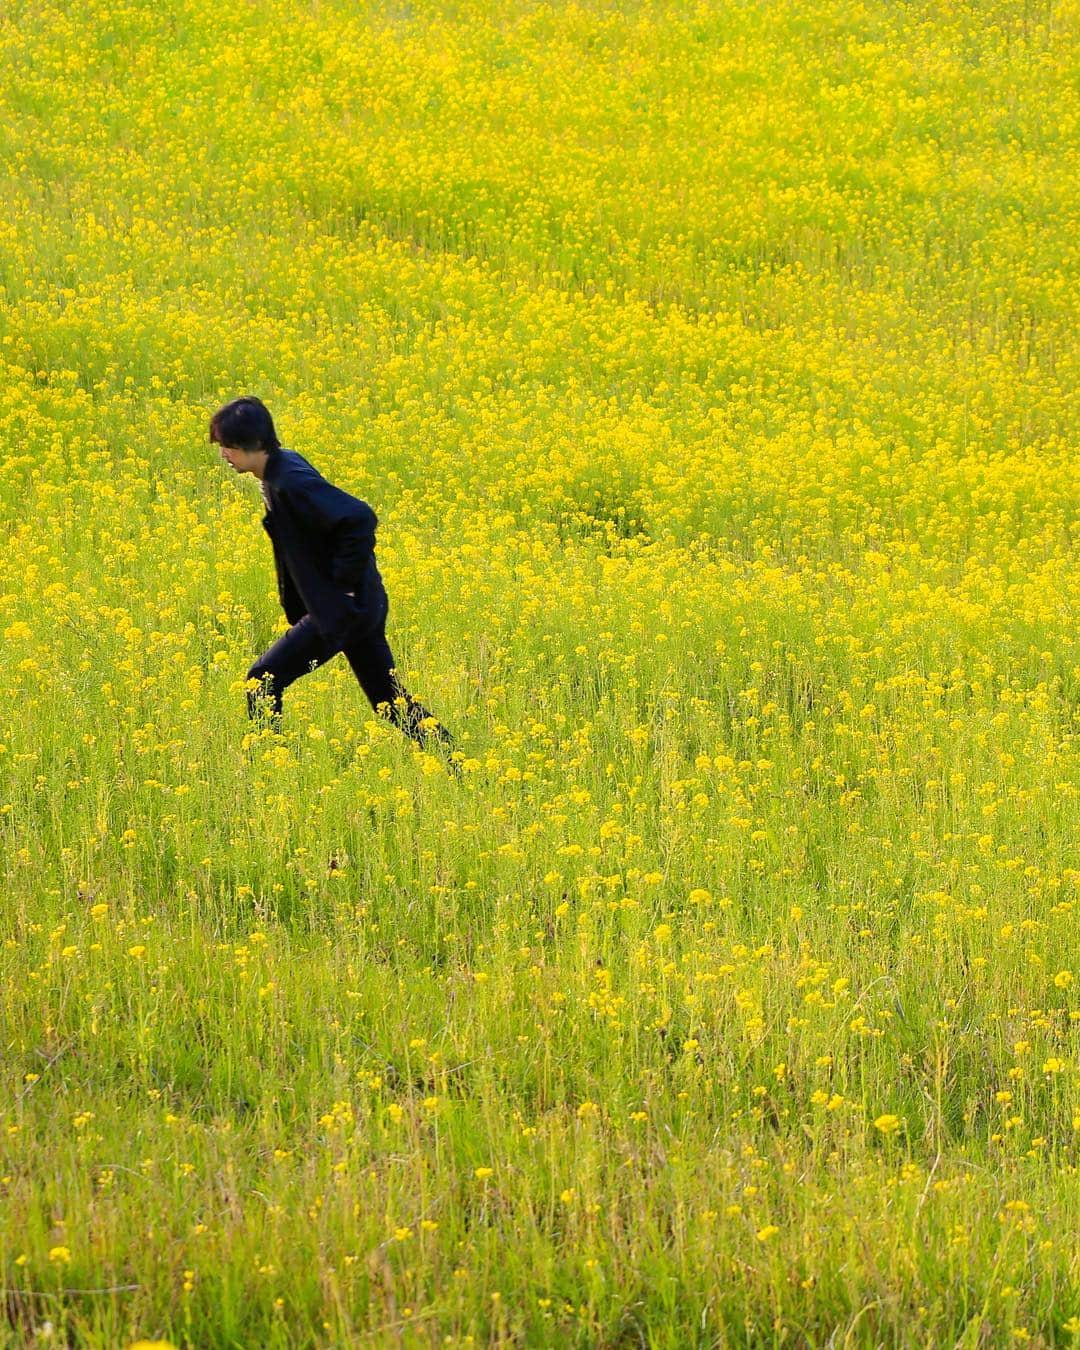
x: 712, y: 373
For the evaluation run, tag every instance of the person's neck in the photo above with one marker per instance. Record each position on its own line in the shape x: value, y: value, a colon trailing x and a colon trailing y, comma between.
x: 259, y: 467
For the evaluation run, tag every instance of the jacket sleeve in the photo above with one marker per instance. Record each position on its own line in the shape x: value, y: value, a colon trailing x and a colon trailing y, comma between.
x: 344, y: 521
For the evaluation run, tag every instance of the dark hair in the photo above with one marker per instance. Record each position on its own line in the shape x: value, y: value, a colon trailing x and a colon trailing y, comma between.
x: 244, y: 424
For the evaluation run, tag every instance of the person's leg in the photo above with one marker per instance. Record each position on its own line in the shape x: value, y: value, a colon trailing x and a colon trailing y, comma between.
x: 292, y: 655
x: 373, y: 665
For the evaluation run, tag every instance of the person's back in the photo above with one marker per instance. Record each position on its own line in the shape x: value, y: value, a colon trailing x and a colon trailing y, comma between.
x: 324, y: 528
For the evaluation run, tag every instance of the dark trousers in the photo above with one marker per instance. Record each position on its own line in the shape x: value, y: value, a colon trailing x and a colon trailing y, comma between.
x: 303, y: 648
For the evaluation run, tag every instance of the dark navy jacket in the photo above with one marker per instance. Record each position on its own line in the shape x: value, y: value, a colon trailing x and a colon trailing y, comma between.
x: 324, y: 546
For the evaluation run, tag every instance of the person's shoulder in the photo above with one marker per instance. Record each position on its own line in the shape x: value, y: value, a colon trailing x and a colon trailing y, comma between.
x: 296, y: 476
x: 292, y: 464
x: 292, y: 472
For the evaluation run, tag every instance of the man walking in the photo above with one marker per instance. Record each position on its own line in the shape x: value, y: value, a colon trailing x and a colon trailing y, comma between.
x: 328, y: 584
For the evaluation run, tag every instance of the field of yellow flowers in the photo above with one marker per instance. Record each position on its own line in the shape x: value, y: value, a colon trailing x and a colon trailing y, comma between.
x: 712, y: 369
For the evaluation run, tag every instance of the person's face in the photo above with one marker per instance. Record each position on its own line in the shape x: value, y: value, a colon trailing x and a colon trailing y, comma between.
x: 243, y: 461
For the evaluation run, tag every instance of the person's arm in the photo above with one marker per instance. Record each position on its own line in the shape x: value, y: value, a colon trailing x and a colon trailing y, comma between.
x: 343, y: 520
x: 352, y: 548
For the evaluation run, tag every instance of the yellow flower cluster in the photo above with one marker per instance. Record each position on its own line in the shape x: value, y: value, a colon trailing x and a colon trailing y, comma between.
x: 712, y: 371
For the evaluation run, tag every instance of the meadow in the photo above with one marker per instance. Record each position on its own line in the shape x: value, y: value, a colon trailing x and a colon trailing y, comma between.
x: 712, y: 369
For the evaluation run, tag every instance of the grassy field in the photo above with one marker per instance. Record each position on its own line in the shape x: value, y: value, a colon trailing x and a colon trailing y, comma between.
x: 712, y: 369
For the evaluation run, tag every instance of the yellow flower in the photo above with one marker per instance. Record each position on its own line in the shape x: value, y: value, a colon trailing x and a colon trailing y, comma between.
x: 888, y: 1124
x: 60, y: 1256
x: 482, y: 1173
x: 769, y: 1231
